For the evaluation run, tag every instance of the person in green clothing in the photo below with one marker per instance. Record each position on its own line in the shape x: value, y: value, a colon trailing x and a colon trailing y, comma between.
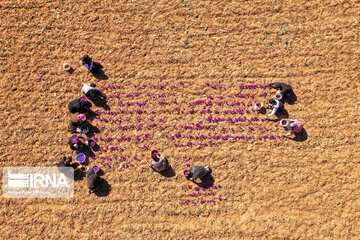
x: 76, y: 121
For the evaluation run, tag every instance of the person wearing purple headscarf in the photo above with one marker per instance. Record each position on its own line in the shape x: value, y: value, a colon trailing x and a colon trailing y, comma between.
x: 92, y: 66
x: 93, y: 180
x: 159, y: 163
x: 196, y: 172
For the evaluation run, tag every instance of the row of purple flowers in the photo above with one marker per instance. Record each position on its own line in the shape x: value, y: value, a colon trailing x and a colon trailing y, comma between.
x: 129, y: 95
x: 163, y: 86
x: 179, y: 110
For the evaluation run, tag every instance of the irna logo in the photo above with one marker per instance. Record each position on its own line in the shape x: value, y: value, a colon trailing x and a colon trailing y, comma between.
x: 37, y: 180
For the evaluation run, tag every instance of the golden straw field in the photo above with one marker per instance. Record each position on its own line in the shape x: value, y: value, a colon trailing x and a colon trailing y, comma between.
x: 169, y: 55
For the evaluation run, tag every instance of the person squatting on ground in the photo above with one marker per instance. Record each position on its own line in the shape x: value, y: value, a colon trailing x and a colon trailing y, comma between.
x: 76, y: 121
x: 286, y: 89
x: 294, y: 125
x: 79, y: 106
x: 93, y: 181
x: 277, y: 107
x: 159, y: 163
x: 92, y: 66
x: 196, y: 172
x: 66, y: 162
x: 76, y: 144
x: 91, y: 92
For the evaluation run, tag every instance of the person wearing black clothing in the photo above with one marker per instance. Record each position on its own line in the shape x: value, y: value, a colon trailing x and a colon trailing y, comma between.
x: 65, y: 162
x: 93, y: 181
x: 92, y: 66
x: 286, y: 89
x: 92, y: 93
x: 80, y: 106
x: 76, y: 144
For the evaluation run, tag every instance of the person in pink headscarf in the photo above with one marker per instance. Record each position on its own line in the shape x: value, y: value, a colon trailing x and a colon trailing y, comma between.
x: 76, y: 121
x: 294, y: 126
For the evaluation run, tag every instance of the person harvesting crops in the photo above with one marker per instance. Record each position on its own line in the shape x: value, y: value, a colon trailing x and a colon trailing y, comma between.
x: 76, y: 143
x: 286, y: 89
x: 93, y: 180
x: 79, y: 106
x: 196, y: 172
x: 277, y: 107
x: 91, y: 92
x: 76, y: 121
x: 159, y: 163
x: 293, y: 125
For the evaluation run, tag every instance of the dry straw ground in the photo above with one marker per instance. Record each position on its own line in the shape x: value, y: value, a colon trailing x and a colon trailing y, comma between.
x: 272, y: 189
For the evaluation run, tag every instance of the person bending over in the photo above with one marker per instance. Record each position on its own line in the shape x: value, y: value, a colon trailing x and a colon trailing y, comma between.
x: 286, y: 89
x: 79, y: 106
x: 294, y: 126
x: 196, y: 172
x: 91, y: 92
x: 76, y: 144
x: 66, y: 162
x: 76, y: 121
x: 93, y: 181
x: 277, y: 107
